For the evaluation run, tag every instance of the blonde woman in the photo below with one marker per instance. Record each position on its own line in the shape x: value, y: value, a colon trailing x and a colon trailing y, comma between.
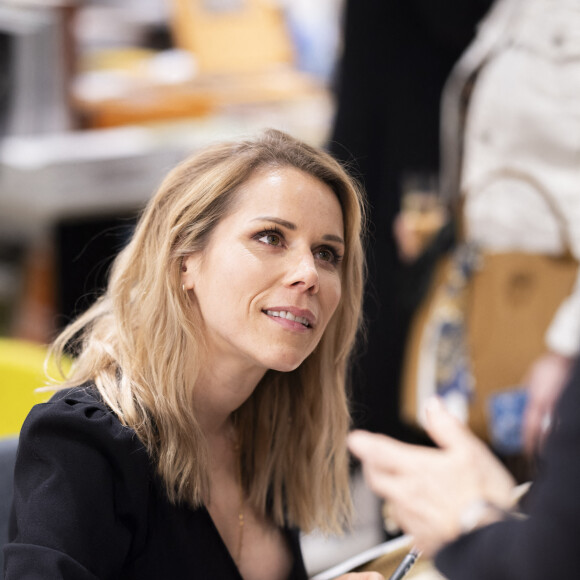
x: 205, y: 418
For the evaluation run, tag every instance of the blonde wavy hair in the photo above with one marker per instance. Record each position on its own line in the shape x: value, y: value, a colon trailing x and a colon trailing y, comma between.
x: 132, y: 343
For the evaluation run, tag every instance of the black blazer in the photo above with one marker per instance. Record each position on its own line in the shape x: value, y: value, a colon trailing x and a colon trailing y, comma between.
x: 546, y: 545
x: 88, y: 505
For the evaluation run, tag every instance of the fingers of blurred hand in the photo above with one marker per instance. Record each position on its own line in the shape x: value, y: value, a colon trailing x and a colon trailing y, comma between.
x: 390, y: 467
x: 390, y: 523
x: 545, y: 379
x: 408, y: 242
x: 429, y: 524
x: 443, y: 427
x: 379, y: 450
x: 382, y: 458
x: 532, y: 427
x: 423, y: 485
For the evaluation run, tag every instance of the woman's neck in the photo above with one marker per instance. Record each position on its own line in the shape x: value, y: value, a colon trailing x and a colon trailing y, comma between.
x: 219, y: 393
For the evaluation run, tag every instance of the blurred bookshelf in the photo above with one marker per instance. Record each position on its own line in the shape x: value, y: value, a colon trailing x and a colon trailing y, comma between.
x: 98, y: 101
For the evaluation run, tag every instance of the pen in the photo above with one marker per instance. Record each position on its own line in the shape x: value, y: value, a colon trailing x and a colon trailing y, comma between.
x: 406, y: 564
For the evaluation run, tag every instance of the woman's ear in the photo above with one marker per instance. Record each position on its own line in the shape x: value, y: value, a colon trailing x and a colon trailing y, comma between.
x: 189, y: 265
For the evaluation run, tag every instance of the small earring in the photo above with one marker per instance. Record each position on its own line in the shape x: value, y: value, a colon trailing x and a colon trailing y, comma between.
x: 183, y: 288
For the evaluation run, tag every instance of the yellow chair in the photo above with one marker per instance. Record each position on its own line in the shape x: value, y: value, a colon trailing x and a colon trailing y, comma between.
x: 21, y: 373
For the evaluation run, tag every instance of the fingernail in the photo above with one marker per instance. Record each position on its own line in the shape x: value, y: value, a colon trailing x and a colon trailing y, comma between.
x: 433, y: 405
x: 353, y: 436
x: 354, y: 440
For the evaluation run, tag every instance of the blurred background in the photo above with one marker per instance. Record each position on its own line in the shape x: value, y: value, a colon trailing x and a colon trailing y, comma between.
x: 100, y: 98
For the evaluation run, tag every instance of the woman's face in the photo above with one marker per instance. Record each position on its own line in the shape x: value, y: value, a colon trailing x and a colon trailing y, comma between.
x: 269, y: 279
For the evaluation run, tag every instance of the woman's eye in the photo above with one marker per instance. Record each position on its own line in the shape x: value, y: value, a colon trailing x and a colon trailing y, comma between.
x: 327, y: 255
x: 270, y: 238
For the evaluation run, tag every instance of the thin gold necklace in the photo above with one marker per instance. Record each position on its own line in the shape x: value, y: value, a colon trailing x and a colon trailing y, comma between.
x: 241, y: 520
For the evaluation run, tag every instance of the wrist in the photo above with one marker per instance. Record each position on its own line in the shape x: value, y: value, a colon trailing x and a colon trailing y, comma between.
x: 479, y: 513
x: 561, y: 358
x: 482, y: 512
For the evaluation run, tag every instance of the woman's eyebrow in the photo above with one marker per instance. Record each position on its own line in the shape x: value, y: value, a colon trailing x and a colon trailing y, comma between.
x: 280, y: 222
x: 333, y: 238
x: 290, y: 226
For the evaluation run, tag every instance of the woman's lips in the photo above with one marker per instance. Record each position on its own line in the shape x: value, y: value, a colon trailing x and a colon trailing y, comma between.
x: 291, y: 317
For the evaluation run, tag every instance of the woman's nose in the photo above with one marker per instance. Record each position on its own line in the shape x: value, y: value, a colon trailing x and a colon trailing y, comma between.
x: 304, y: 273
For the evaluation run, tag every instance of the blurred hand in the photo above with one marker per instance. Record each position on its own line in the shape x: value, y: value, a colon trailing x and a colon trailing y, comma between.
x: 546, y: 379
x: 414, y: 230
x: 429, y: 489
x: 408, y: 240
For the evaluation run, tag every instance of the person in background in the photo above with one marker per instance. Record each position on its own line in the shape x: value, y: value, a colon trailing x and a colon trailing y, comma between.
x: 396, y: 57
x: 205, y: 418
x: 510, y: 120
x: 457, y: 500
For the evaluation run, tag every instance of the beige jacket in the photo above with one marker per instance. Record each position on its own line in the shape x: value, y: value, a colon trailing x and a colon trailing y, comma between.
x: 523, y: 115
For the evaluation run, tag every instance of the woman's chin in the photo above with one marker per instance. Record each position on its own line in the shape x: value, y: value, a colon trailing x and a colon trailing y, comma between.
x: 286, y: 364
